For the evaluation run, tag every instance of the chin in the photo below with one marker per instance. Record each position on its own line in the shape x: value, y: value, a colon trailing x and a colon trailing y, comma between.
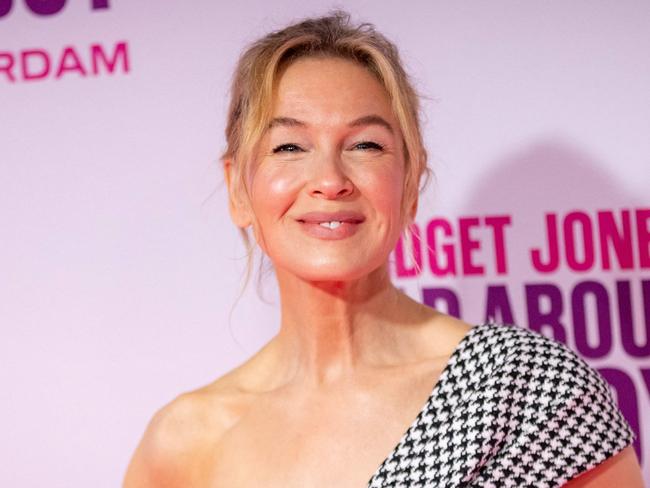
x: 335, y: 270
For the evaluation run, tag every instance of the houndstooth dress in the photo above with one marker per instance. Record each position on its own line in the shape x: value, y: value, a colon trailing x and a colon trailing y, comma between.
x: 511, y: 409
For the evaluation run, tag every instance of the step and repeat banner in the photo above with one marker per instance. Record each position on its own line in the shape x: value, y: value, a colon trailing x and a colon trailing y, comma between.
x: 120, y: 271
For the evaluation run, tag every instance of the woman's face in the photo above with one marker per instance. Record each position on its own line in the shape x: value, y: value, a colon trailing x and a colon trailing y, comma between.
x: 326, y: 188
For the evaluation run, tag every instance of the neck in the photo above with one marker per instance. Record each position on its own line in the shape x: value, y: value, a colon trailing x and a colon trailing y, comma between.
x: 328, y: 330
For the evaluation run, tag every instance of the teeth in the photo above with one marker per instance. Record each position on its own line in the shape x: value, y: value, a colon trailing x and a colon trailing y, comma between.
x: 331, y: 225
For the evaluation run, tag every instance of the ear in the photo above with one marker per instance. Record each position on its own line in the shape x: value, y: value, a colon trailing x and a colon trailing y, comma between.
x: 238, y: 206
x: 410, y: 211
x: 414, y: 209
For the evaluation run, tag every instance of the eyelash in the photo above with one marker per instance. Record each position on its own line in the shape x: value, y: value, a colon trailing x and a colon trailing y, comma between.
x: 285, y: 147
x: 295, y: 147
x: 371, y: 145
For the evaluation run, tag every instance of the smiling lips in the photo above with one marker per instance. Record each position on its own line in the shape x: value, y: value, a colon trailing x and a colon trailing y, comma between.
x: 330, y: 225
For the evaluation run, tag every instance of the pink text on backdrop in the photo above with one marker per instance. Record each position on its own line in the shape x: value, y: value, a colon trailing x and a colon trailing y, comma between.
x: 578, y: 240
x: 41, y: 64
x: 585, y: 242
x: 549, y: 311
x: 47, y: 7
x: 453, y: 252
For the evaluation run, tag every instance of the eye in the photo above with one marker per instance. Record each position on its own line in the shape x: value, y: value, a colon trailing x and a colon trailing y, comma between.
x: 287, y: 148
x: 369, y: 145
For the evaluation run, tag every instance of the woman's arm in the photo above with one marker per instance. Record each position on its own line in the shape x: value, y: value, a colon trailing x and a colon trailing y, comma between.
x: 621, y: 470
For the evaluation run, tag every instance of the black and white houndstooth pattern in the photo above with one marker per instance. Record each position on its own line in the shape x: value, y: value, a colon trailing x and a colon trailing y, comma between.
x: 511, y: 409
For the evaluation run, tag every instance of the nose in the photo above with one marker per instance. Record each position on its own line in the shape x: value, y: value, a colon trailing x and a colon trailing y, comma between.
x: 328, y: 179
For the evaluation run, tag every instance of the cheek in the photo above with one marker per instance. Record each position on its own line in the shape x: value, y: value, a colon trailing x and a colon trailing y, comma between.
x: 384, y: 189
x: 273, y: 192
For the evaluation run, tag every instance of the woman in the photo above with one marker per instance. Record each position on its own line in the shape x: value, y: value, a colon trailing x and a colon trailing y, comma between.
x: 324, y: 163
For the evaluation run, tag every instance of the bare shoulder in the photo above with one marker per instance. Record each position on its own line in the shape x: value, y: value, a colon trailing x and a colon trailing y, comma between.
x: 436, y: 334
x: 180, y: 438
x: 454, y: 328
x: 443, y: 333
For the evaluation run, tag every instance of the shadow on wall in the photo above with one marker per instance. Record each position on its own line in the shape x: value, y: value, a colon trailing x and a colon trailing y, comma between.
x: 549, y: 174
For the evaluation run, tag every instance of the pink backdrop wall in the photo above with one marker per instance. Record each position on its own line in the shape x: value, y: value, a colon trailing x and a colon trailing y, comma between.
x: 119, y: 267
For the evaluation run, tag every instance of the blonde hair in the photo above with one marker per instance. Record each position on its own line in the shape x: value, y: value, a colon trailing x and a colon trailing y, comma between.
x: 333, y: 35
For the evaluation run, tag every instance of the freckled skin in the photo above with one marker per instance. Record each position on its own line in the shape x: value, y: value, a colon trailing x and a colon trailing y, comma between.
x: 330, y: 171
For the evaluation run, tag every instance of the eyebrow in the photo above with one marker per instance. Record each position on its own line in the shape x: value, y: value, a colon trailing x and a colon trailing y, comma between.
x: 372, y: 119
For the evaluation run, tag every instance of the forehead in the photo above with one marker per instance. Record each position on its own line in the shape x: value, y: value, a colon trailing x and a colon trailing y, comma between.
x: 329, y: 90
